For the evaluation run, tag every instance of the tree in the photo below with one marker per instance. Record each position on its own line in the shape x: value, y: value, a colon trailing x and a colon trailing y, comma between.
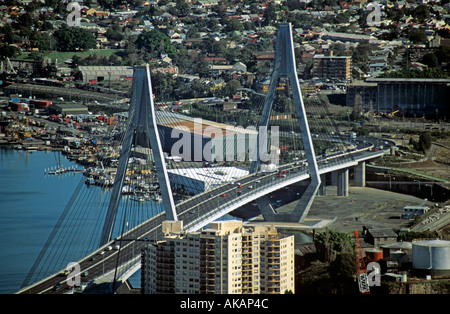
x: 114, y: 34
x: 270, y: 15
x: 417, y: 36
x: 74, y: 38
x: 421, y: 13
x: 331, y: 243
x: 430, y: 60
x: 155, y: 42
x: 425, y: 141
x: 231, y: 87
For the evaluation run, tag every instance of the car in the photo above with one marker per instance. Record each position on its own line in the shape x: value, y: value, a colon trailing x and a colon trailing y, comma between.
x: 101, y: 252
x: 64, y: 273
x: 224, y: 194
x: 250, y: 187
x: 116, y: 247
x: 239, y: 192
x: 85, y: 273
x: 57, y: 287
x: 108, y: 248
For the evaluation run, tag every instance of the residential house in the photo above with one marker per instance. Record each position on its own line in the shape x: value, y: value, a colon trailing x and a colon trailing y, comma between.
x: 265, y: 59
x: 217, y: 70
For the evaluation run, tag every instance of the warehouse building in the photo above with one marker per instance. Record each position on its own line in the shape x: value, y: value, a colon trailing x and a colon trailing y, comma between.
x: 195, y: 139
x: 67, y: 109
x: 198, y: 180
x: 410, y: 96
x: 105, y: 73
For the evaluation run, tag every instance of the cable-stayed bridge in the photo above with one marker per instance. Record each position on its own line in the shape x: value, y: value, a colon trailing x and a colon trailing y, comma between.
x: 163, y: 166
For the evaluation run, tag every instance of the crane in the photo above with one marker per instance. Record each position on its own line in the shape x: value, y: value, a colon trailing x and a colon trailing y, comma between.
x: 361, y: 271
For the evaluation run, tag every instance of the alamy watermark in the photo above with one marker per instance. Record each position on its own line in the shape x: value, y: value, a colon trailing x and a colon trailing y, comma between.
x: 373, y: 274
x: 73, y: 277
x: 74, y: 17
x: 374, y: 17
x: 234, y: 143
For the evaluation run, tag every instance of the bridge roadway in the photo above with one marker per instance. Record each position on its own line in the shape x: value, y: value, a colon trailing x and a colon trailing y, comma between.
x: 195, y: 213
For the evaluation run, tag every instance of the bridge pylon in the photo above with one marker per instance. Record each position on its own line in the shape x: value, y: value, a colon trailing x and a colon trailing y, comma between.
x: 285, y: 67
x: 142, y: 131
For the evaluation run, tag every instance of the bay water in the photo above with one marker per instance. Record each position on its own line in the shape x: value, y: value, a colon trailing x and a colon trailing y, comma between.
x: 31, y: 203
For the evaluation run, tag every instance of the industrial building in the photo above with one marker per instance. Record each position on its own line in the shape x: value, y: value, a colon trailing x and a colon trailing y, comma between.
x: 225, y: 258
x: 198, y: 180
x: 67, y: 109
x: 108, y: 73
x: 413, y: 97
x: 196, y: 139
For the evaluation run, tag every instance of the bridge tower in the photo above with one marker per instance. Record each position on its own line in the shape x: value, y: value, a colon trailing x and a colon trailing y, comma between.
x: 285, y: 67
x: 143, y: 131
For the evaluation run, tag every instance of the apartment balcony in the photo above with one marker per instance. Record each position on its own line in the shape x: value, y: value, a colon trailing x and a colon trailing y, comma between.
x: 273, y: 279
x: 273, y: 261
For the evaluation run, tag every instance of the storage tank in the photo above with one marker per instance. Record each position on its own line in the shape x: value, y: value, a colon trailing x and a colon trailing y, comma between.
x: 374, y: 255
x: 431, y: 255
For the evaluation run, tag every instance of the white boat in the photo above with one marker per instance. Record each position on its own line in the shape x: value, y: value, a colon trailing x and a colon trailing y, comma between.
x: 157, y: 198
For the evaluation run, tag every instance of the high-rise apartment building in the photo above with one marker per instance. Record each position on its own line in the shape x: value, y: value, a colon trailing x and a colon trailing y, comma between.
x: 331, y: 67
x: 225, y: 258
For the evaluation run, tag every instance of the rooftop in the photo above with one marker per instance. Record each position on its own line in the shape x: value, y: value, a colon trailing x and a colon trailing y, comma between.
x: 214, y: 175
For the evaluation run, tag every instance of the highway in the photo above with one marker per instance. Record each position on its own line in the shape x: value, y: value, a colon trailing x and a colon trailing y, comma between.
x: 193, y: 212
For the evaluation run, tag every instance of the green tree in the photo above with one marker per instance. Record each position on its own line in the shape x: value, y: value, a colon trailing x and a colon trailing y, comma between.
x: 331, y: 243
x: 231, y: 87
x: 155, y: 42
x: 114, y: 33
x: 421, y: 13
x: 417, y: 36
x: 74, y: 38
x: 430, y: 60
x: 40, y: 41
x: 270, y: 15
x: 425, y: 141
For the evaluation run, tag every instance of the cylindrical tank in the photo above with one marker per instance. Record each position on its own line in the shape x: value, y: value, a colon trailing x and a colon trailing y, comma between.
x: 431, y: 255
x: 373, y: 255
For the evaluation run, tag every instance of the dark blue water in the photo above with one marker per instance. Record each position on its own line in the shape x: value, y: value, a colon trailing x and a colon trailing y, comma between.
x: 31, y: 203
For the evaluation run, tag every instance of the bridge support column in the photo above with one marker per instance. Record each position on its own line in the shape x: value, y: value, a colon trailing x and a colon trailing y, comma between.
x: 323, y: 186
x: 360, y: 174
x: 285, y: 66
x: 266, y: 208
x: 142, y: 131
x: 334, y: 178
x: 342, y: 182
